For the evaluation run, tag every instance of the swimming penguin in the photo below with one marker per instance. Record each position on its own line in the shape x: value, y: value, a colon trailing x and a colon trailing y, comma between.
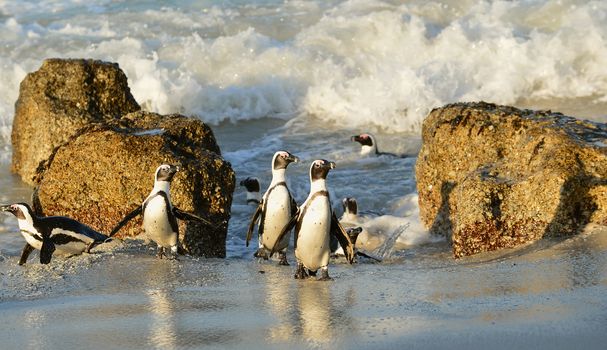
x: 275, y: 210
x: 314, y: 222
x: 252, y: 186
x: 52, y: 233
x: 159, y: 214
x: 369, y: 146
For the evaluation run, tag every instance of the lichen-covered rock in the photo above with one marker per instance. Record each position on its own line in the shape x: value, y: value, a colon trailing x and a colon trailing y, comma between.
x: 492, y: 177
x: 61, y: 97
x: 107, y: 169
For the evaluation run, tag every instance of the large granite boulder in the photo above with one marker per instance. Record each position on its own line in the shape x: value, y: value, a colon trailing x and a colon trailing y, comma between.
x: 60, y: 98
x: 107, y: 169
x: 492, y: 177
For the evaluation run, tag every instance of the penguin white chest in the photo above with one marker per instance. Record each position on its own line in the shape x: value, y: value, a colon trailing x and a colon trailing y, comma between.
x: 156, y: 223
x: 31, y: 235
x: 313, y: 236
x: 277, y: 216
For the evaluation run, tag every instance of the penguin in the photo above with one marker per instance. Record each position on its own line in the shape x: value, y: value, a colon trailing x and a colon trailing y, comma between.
x: 336, y: 249
x: 52, y: 233
x: 369, y: 146
x: 314, y: 222
x: 350, y: 220
x: 275, y: 210
x: 252, y: 186
x: 159, y: 214
x: 350, y: 215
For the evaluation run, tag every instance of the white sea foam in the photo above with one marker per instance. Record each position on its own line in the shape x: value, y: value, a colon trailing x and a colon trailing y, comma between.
x: 358, y: 63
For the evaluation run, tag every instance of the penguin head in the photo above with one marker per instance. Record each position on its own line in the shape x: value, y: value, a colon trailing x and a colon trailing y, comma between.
x: 320, y: 168
x: 251, y: 184
x: 282, y: 159
x: 350, y: 206
x: 353, y: 233
x: 22, y: 211
x: 165, y: 172
x: 367, y: 141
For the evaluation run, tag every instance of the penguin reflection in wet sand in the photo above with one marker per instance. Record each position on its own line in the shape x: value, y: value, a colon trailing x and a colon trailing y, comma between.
x: 276, y: 209
x: 52, y: 233
x: 159, y: 214
x: 369, y: 146
x: 314, y: 222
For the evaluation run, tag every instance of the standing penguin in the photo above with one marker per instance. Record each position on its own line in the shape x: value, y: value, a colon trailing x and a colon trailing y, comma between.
x: 369, y: 146
x: 276, y: 209
x: 159, y: 214
x: 51, y: 233
x: 314, y: 222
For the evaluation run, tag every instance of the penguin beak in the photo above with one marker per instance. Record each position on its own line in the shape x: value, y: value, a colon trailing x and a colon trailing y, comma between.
x: 175, y: 168
x: 332, y: 165
x: 355, y: 138
x: 6, y: 207
x: 293, y: 159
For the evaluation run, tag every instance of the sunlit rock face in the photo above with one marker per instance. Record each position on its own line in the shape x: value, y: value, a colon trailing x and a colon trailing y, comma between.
x: 492, y: 177
x: 80, y: 137
x: 60, y: 98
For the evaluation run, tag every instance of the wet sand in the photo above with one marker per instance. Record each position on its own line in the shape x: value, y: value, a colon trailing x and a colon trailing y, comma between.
x: 552, y: 294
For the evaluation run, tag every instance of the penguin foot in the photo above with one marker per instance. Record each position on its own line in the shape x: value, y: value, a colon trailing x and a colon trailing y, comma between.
x: 300, y: 273
x: 283, y: 260
x: 160, y: 253
x: 324, y: 275
x: 261, y: 253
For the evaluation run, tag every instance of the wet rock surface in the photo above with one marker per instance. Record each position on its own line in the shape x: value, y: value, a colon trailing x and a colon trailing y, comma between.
x: 60, y: 98
x: 107, y: 170
x: 494, y: 177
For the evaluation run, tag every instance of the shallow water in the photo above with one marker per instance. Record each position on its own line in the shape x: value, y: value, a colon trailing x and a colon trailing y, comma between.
x: 550, y: 294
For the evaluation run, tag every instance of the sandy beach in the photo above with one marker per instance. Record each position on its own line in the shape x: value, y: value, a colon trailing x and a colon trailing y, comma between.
x: 547, y: 295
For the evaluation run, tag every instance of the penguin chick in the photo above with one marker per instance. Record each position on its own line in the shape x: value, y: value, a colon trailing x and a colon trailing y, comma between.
x: 52, y: 233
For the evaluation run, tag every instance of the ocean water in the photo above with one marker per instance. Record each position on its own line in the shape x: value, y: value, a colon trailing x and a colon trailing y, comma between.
x: 306, y: 75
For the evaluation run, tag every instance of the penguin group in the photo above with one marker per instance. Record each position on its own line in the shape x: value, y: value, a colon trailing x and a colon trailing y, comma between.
x: 314, y: 222
x: 318, y: 234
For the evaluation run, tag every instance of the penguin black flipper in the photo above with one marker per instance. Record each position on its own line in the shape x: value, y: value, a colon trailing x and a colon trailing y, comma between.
x: 294, y: 207
x: 253, y: 221
x: 27, y: 250
x: 288, y: 227
x: 184, y: 215
x: 342, y: 236
x: 46, y: 251
x: 126, y: 219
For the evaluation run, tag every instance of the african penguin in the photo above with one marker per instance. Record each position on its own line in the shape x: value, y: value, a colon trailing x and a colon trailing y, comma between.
x: 275, y: 210
x: 369, y: 146
x: 351, y: 220
x: 159, y: 214
x: 314, y: 222
x: 52, y: 233
x: 253, y: 194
